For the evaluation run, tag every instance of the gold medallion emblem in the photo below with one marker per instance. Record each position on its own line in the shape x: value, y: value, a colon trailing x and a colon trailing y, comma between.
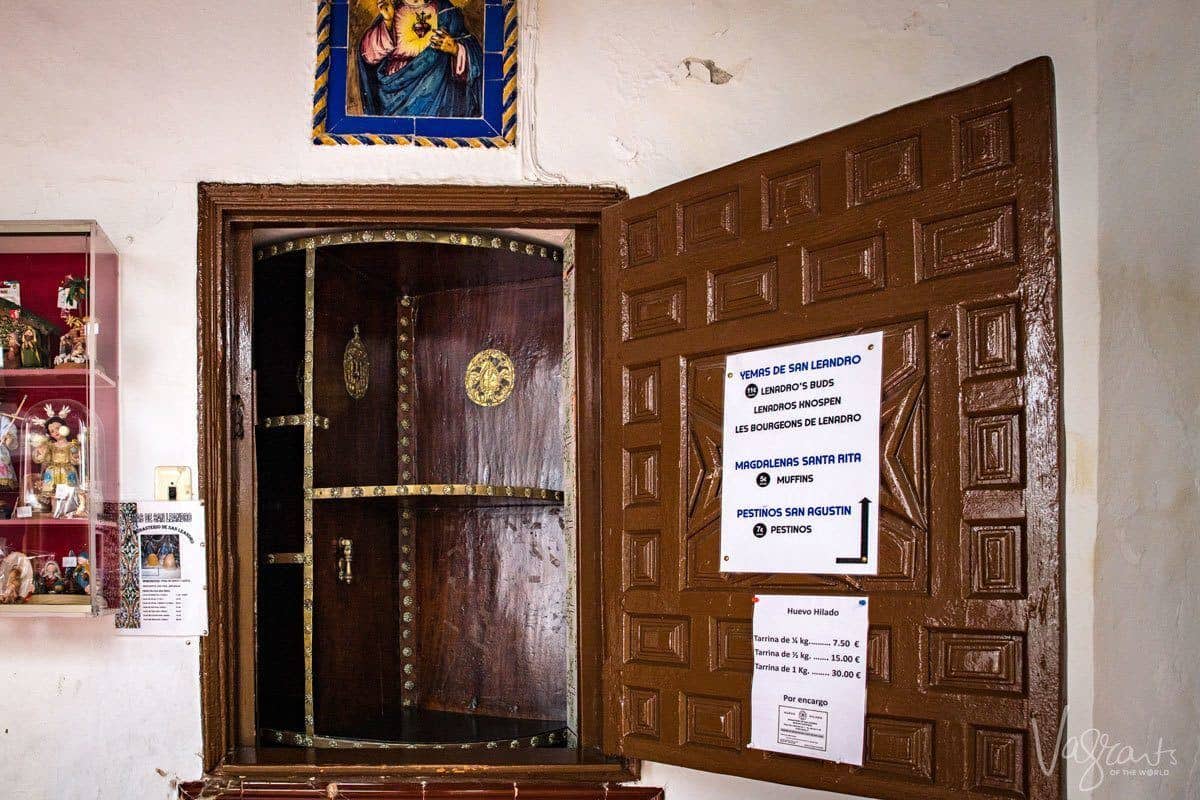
x: 490, y: 378
x: 356, y: 367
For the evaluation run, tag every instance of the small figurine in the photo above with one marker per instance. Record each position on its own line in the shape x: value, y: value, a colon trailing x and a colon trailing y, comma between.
x: 31, y: 348
x: 12, y: 351
x: 8, y: 443
x: 83, y: 573
x: 58, y: 454
x: 50, y: 578
x: 72, y: 347
x: 76, y: 358
x: 16, y: 578
x: 77, y: 579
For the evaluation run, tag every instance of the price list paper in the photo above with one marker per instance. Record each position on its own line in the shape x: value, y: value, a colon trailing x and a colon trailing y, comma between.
x: 172, y: 570
x: 809, y: 692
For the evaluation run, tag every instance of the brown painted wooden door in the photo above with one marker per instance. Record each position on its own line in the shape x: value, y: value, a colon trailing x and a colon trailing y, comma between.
x: 936, y: 224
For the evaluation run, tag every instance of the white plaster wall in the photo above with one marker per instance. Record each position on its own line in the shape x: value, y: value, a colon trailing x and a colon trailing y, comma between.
x: 1147, y: 552
x: 115, y: 110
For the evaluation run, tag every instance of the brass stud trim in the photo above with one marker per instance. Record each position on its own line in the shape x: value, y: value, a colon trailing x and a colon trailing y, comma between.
x: 406, y: 390
x: 285, y: 558
x: 459, y: 238
x: 297, y: 739
x: 520, y: 493
x: 308, y: 422
x: 294, y: 420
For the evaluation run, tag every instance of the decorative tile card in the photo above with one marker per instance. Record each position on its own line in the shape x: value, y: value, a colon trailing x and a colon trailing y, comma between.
x: 426, y: 72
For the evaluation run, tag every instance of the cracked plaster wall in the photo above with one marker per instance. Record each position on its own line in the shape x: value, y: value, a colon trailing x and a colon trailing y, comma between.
x: 1148, y: 551
x: 115, y: 110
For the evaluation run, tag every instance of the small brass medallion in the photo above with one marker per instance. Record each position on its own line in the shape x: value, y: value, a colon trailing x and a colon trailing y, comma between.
x: 490, y: 378
x: 356, y: 367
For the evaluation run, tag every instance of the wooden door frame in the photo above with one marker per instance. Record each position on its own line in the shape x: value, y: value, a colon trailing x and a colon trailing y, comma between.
x: 227, y: 215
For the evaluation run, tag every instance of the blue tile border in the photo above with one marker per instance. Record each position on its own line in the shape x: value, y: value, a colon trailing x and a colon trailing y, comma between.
x: 331, y: 125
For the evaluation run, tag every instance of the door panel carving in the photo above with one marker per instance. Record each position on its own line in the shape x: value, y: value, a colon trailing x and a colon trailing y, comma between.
x: 877, y: 171
x: 947, y: 243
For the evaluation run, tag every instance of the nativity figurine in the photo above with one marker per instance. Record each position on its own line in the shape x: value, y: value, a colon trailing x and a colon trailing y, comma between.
x: 50, y: 578
x: 79, y: 577
x: 8, y: 443
x: 12, y: 350
x: 72, y: 347
x: 31, y: 348
x: 16, y: 578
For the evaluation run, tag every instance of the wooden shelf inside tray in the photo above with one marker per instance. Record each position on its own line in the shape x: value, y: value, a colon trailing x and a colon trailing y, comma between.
x: 45, y: 604
x: 38, y: 522
x: 418, y: 728
x: 53, y: 378
x: 481, y: 494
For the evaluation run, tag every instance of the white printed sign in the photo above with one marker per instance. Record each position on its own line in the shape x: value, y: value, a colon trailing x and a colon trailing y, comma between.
x: 809, y: 692
x: 800, y: 480
x: 172, y: 569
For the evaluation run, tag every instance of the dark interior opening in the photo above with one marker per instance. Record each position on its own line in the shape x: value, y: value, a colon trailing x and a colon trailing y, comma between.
x: 412, y: 565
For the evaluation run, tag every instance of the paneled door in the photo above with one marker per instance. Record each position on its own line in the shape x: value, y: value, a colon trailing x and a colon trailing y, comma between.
x: 934, y: 223
x: 356, y: 668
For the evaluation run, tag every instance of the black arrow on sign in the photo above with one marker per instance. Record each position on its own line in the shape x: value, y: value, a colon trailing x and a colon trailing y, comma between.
x: 866, y: 514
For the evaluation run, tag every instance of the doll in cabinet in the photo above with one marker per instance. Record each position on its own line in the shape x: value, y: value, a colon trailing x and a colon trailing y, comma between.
x: 55, y: 444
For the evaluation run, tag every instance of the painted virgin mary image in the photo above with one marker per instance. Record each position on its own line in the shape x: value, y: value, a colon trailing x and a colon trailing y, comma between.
x: 419, y: 59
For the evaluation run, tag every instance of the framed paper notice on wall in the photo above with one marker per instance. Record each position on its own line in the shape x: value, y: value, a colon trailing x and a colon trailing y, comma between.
x: 166, y: 568
x: 437, y: 73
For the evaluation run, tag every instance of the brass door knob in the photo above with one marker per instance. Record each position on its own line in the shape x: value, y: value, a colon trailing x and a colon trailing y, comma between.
x: 344, y: 565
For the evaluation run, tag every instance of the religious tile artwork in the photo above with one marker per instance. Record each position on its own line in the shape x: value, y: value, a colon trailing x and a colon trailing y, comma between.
x: 440, y: 73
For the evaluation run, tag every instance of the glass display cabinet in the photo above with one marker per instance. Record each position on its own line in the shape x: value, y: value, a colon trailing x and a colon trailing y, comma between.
x: 59, y: 436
